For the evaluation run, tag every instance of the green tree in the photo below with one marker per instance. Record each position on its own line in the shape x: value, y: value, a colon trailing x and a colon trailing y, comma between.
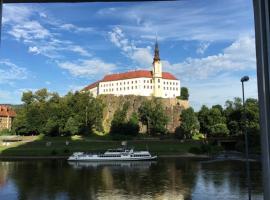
x: 118, y: 124
x: 219, y: 130
x: 203, y: 119
x: 152, y: 114
x: 189, y: 123
x: 184, y: 95
x: 72, y: 127
x: 133, y: 124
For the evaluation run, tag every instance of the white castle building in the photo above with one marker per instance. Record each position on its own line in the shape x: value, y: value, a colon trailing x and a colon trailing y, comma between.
x: 140, y: 82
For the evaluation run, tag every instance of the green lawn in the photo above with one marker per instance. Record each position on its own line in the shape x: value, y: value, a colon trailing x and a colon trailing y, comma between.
x: 37, y: 146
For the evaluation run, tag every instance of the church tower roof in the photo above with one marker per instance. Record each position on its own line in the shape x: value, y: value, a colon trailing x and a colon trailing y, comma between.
x: 156, y: 56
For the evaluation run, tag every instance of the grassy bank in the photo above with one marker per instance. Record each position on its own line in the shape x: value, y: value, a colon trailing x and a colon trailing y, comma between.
x: 56, y: 146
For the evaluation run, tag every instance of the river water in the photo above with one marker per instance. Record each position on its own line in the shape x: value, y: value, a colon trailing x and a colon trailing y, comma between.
x: 170, y: 178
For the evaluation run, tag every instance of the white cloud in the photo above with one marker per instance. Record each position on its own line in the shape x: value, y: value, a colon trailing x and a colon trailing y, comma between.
x: 220, y: 89
x: 80, y: 50
x: 141, y: 56
x: 95, y: 68
x: 76, y: 29
x: 203, y: 46
x: 34, y: 50
x: 29, y: 31
x: 185, y: 20
x: 34, y: 29
x: 239, y: 56
x: 10, y: 72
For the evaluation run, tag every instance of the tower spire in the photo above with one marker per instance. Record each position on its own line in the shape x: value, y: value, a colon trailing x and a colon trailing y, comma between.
x: 156, y: 56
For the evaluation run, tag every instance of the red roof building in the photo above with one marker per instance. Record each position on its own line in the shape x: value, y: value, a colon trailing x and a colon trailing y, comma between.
x: 6, y: 117
x: 139, y: 82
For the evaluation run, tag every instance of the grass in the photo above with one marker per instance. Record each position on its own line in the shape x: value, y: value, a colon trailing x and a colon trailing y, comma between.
x: 36, y: 146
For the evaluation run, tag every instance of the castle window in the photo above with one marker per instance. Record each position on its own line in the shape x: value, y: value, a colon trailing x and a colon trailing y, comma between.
x: 104, y: 90
x: 167, y: 88
x: 127, y: 88
x: 136, y: 86
x: 144, y: 86
x: 159, y: 86
x: 124, y: 88
x: 164, y: 88
x: 159, y: 80
x: 135, y: 81
x: 147, y: 86
x: 144, y: 81
x: 151, y: 87
x: 151, y: 81
x: 132, y: 87
x: 131, y: 82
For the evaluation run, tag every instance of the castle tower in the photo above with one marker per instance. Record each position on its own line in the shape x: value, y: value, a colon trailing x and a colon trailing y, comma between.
x: 157, y: 73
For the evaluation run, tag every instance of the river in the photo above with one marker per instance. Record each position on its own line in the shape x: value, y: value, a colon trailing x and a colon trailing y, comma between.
x: 170, y: 179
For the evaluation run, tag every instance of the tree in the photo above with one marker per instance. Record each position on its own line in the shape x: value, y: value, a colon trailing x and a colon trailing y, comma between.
x: 219, y: 130
x: 72, y: 127
x: 203, y: 119
x: 27, y: 97
x: 184, y: 95
x: 48, y: 113
x: 152, y: 114
x: 118, y: 124
x: 133, y: 124
x: 189, y: 123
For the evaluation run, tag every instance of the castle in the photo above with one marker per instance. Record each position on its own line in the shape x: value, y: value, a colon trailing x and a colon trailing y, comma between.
x: 140, y: 82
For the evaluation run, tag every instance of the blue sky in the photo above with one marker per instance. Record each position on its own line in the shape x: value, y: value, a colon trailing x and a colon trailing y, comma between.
x: 207, y: 44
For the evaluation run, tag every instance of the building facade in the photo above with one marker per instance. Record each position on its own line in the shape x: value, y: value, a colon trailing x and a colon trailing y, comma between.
x: 6, y: 117
x: 140, y: 82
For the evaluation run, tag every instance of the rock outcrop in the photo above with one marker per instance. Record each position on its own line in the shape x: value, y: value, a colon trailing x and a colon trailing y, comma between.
x: 173, y: 108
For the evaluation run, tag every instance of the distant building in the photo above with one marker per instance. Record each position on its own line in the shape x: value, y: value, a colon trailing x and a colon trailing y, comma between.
x: 7, y: 115
x: 140, y: 82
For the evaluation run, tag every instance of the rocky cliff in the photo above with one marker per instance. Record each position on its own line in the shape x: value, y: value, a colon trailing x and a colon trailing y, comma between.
x: 173, y: 108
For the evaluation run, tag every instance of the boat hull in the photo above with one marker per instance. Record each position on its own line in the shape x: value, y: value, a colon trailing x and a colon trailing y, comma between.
x: 100, y: 159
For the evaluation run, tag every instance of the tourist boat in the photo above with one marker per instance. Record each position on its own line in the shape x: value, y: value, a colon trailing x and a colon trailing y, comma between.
x: 120, y: 154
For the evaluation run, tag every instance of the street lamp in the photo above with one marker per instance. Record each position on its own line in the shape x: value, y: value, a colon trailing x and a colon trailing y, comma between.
x: 245, y: 79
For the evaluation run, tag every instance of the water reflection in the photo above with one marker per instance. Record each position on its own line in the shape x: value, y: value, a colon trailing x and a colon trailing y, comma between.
x: 165, y: 179
x: 142, y: 165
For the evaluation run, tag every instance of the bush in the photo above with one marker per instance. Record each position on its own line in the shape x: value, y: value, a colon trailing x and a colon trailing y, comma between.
x: 66, y: 151
x: 7, y: 132
x: 195, y: 150
x: 54, y: 152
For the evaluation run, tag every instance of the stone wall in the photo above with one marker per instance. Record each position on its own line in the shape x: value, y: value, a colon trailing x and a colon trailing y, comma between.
x: 173, y: 108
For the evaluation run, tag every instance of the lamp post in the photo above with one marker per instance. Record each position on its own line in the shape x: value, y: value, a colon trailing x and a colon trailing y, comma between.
x: 245, y: 79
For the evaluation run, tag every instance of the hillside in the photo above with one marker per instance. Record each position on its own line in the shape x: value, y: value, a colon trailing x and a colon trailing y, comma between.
x: 112, y: 103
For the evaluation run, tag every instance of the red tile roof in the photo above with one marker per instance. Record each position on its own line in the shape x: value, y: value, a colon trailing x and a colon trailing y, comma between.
x: 130, y: 75
x: 6, y: 111
x: 93, y: 85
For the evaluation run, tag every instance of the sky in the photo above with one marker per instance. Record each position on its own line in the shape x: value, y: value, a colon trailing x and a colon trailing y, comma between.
x: 207, y: 44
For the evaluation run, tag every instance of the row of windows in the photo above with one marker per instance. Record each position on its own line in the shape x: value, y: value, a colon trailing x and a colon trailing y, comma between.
x: 119, y: 89
x: 140, y: 155
x: 135, y: 87
x: 120, y: 83
x: 132, y: 82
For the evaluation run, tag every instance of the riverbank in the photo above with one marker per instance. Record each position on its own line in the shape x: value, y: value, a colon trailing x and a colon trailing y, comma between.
x: 61, y: 147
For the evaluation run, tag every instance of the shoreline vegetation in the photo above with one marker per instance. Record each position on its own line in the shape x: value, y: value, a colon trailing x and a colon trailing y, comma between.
x: 48, y: 125
x: 62, y: 147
